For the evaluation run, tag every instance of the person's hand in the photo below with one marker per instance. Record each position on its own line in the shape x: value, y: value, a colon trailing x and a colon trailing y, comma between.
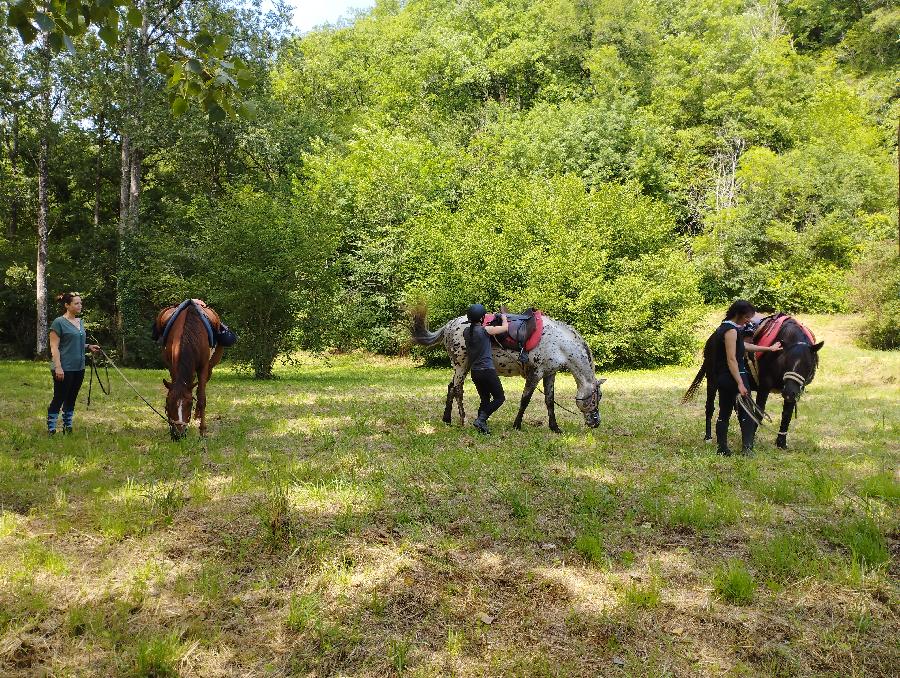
x: 94, y: 348
x: 58, y: 374
x: 742, y: 389
x: 776, y: 346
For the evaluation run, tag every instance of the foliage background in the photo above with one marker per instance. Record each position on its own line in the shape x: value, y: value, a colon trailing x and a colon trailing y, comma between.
x: 616, y: 163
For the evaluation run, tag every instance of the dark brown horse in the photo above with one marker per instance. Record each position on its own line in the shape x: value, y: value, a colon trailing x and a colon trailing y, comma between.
x: 788, y: 372
x: 190, y: 359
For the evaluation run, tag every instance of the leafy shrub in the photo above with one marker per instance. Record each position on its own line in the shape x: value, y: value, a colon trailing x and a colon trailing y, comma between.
x: 876, y: 292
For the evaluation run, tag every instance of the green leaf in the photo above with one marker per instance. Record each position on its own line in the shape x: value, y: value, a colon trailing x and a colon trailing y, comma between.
x: 135, y: 18
x: 108, y: 35
x: 216, y: 113
x: 223, y: 42
x: 179, y: 106
x: 163, y: 63
x: 185, y: 44
x: 54, y: 40
x: 247, y: 110
x: 194, y: 66
x: 44, y: 22
x: 27, y: 32
x: 69, y: 44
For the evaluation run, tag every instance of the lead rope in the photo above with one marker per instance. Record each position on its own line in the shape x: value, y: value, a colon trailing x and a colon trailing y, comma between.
x: 146, y: 402
x: 94, y: 371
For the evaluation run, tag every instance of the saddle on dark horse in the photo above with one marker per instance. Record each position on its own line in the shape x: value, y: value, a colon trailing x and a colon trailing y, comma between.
x: 524, y: 332
x: 765, y: 333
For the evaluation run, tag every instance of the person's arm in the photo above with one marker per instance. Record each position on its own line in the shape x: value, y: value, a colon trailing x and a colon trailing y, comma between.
x: 498, y: 329
x: 764, y: 349
x: 58, y: 373
x: 731, y: 355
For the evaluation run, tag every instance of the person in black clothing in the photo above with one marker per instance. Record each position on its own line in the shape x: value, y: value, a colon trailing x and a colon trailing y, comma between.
x: 481, y: 360
x: 732, y: 380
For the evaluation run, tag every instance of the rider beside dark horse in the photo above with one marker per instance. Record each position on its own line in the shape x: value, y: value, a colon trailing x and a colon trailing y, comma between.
x: 785, y: 361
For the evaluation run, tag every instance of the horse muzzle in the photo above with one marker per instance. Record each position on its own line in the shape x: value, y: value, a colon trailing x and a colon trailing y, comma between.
x: 592, y: 419
x: 178, y: 430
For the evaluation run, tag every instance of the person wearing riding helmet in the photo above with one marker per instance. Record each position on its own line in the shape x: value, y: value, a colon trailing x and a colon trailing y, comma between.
x: 732, y: 380
x: 481, y: 361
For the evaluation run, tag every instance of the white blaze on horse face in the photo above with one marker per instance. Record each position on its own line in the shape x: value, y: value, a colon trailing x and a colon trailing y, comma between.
x: 180, y: 415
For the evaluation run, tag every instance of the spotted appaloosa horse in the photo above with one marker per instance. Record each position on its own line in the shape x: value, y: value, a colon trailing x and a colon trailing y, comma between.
x: 187, y: 354
x: 788, y: 372
x: 561, y: 348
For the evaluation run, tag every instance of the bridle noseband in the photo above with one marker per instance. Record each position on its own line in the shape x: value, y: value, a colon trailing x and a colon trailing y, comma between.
x: 593, y: 399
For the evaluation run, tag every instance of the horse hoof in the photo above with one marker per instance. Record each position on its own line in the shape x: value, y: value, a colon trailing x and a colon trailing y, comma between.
x: 556, y: 429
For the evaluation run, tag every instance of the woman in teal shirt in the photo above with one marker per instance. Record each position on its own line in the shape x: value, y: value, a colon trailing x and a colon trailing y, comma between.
x: 67, y: 345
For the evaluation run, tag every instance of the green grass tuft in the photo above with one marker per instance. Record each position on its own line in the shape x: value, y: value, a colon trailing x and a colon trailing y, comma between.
x: 733, y: 583
x: 866, y: 543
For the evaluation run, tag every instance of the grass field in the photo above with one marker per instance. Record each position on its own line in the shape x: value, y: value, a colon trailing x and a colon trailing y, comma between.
x: 332, y: 525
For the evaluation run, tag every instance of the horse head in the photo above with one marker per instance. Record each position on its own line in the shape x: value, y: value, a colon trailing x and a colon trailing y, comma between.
x: 588, y: 400
x: 179, y: 403
x: 799, y: 362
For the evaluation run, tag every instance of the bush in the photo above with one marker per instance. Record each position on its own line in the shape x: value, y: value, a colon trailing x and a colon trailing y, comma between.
x: 876, y: 292
x: 262, y: 261
x: 605, y: 261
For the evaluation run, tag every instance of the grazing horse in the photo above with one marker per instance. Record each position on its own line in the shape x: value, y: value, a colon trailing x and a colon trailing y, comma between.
x: 560, y: 348
x: 787, y: 372
x: 188, y: 355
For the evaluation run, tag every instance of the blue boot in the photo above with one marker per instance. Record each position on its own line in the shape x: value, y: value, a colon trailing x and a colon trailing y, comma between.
x: 67, y: 421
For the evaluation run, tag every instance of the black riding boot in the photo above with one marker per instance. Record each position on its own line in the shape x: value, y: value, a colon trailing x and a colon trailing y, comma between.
x: 722, y: 437
x: 748, y: 435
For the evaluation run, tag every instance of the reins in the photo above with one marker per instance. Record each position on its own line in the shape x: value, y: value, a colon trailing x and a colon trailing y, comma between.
x: 107, y: 390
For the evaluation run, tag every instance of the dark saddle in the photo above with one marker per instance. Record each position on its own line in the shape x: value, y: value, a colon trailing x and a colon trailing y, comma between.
x: 217, y: 332
x: 524, y: 334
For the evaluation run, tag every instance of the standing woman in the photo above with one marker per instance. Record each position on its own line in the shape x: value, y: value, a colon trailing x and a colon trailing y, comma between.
x: 731, y: 376
x: 481, y: 360
x: 67, y: 346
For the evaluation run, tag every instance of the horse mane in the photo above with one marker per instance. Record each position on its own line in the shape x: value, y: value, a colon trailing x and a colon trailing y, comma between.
x: 187, y: 354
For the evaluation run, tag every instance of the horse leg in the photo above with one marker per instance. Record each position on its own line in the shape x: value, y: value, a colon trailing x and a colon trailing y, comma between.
x: 460, y: 379
x: 787, y: 412
x: 213, y: 361
x: 710, y: 407
x: 448, y: 406
x: 201, y: 399
x: 531, y: 382
x: 455, y: 390
x: 550, y: 402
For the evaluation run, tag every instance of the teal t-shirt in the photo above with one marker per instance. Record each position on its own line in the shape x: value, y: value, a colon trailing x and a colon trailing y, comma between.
x: 71, y: 344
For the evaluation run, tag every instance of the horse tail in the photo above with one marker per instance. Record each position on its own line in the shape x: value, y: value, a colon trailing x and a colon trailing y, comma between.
x: 691, y: 393
x: 420, y: 333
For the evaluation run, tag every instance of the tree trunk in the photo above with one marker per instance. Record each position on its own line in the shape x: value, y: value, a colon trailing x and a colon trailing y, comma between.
x: 98, y: 168
x: 41, y: 335
x: 134, y: 190
x: 13, y: 225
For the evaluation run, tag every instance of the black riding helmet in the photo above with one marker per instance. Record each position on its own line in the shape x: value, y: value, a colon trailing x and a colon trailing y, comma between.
x: 476, y: 313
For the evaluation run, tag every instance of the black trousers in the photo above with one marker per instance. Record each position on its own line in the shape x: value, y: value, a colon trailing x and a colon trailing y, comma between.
x: 65, y: 392
x: 490, y: 390
x: 728, y: 393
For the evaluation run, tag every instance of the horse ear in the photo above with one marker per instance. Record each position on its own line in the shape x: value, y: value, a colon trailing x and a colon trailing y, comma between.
x: 167, y: 384
x: 816, y: 347
x: 601, y: 381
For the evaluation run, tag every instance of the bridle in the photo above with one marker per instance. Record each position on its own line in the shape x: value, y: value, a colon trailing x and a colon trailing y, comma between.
x: 593, y: 400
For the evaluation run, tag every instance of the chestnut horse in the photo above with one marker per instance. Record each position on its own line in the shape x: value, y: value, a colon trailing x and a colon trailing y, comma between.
x: 188, y: 355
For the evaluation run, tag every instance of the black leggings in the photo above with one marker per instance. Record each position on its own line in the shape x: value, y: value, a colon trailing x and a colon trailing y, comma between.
x: 728, y: 393
x: 488, y: 385
x: 66, y: 391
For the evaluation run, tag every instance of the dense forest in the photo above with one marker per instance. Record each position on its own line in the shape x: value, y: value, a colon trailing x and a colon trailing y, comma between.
x: 617, y: 163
